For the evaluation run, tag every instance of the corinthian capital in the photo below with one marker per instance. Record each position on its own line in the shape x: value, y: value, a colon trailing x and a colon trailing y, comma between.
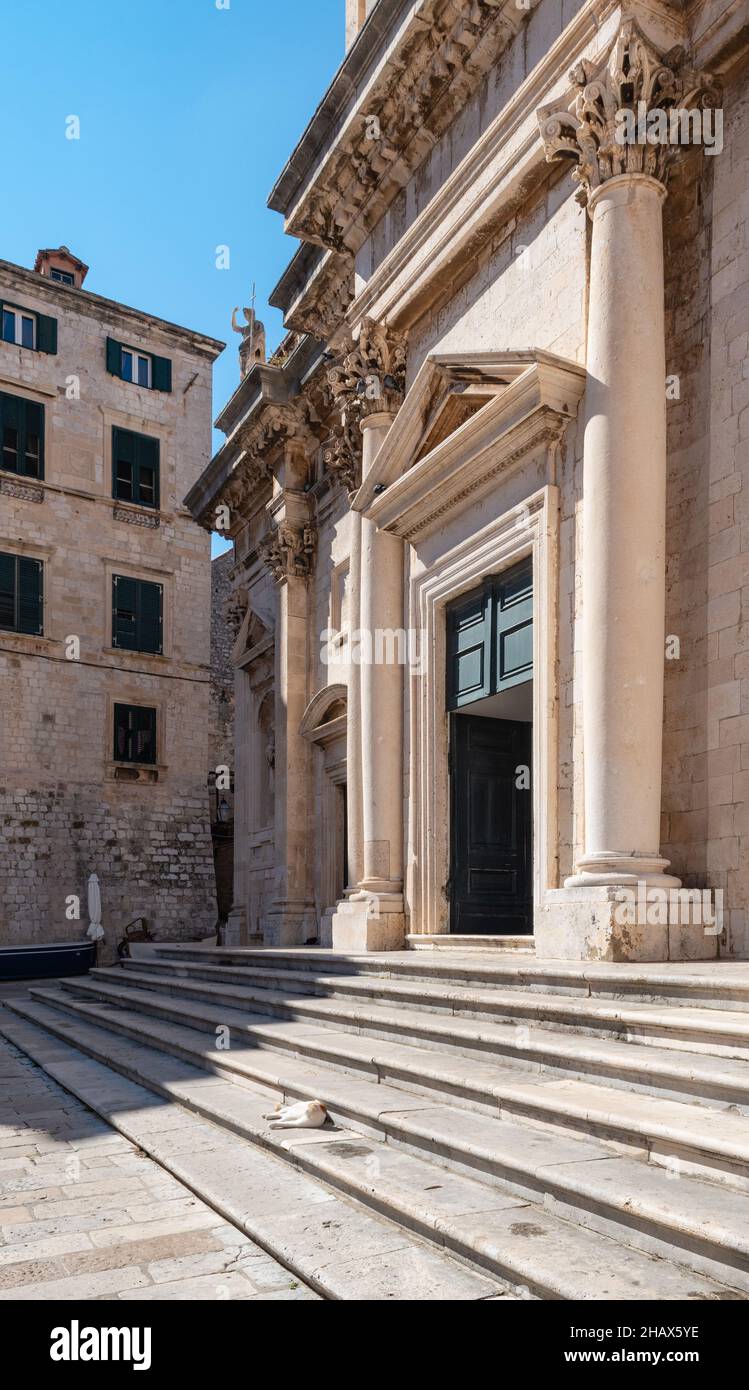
x: 288, y: 550
x: 630, y: 115
x: 372, y: 376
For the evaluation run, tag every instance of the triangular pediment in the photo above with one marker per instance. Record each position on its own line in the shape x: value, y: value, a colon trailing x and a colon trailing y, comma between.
x: 458, y: 407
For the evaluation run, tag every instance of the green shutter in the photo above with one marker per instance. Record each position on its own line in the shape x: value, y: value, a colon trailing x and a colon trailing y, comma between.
x: 114, y: 357
x: 125, y: 613
x: 32, y: 415
x: 148, y: 458
x: 513, y: 597
x: 161, y: 373
x: 150, y: 611
x: 144, y: 735
x: 7, y: 591
x: 30, y: 595
x: 469, y: 634
x: 46, y: 334
x: 10, y: 419
x: 123, y: 450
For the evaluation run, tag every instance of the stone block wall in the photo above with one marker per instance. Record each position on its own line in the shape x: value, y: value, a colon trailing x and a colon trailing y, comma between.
x: 66, y: 808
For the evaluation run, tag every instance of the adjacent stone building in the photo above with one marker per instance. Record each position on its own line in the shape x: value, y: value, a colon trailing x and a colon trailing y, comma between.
x: 490, y: 501
x: 104, y: 612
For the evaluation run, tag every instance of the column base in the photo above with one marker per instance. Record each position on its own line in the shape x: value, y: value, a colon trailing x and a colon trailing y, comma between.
x: 627, y: 922
x: 367, y: 923
x: 621, y: 870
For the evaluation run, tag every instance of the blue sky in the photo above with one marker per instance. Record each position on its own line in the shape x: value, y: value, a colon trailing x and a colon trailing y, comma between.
x: 187, y: 115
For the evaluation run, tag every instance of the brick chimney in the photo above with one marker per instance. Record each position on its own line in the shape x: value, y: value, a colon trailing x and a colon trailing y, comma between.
x: 357, y: 12
x: 59, y: 263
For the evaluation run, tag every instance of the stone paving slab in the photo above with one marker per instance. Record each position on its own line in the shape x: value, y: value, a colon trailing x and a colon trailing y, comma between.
x: 69, y: 1231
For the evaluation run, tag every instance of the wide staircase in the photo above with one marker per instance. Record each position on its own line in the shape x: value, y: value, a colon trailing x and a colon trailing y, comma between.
x: 500, y: 1127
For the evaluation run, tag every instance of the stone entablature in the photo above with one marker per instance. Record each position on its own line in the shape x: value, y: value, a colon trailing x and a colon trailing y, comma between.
x: 434, y: 61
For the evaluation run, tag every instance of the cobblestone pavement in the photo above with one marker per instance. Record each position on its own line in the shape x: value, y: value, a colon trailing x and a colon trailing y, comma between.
x: 86, y: 1215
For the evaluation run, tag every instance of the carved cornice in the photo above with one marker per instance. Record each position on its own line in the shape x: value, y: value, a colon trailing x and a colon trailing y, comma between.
x: 294, y: 421
x: 429, y: 76
x: 324, y: 302
x: 603, y: 130
x: 288, y: 550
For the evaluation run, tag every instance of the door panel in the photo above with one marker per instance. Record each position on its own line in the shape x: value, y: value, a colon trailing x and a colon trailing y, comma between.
x: 491, y: 827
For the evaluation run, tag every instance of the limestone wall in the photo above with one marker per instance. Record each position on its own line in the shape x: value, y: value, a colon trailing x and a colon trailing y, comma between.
x: 64, y: 810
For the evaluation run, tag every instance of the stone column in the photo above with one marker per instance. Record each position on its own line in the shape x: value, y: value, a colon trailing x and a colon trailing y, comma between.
x: 369, y: 386
x: 382, y: 672
x: 355, y: 851
x: 624, y: 536
x: 622, y: 177
x: 288, y: 550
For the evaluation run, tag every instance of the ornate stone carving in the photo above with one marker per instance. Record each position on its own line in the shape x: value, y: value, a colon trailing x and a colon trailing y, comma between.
x: 634, y: 81
x: 136, y: 518
x: 342, y: 455
x: 25, y: 492
x: 372, y: 375
x: 438, y: 62
x: 235, y: 609
x: 288, y: 550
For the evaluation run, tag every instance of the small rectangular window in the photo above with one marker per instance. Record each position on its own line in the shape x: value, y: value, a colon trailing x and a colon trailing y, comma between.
x: 63, y: 277
x: 21, y: 594
x: 134, y: 734
x: 141, y: 368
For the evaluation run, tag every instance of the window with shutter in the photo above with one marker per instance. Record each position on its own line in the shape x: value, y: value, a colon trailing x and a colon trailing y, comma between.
x: 140, y: 368
x: 21, y: 594
x: 137, y: 615
x: 135, y: 467
x: 134, y: 734
x: 28, y: 329
x: 21, y: 436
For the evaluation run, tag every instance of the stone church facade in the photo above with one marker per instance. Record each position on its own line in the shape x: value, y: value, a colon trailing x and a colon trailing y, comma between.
x: 104, y: 613
x: 490, y: 499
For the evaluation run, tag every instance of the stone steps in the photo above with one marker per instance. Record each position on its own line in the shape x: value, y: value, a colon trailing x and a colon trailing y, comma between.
x: 589, y: 1180
x: 719, y: 1033
x: 671, y: 1072
x: 341, y: 1248
x: 718, y: 985
x: 513, y: 1237
x: 710, y: 1141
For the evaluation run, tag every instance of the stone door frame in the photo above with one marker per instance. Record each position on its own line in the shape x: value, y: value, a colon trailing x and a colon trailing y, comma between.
x: 528, y: 529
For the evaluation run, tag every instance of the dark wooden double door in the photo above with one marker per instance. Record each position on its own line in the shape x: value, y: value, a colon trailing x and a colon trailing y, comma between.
x: 490, y: 654
x: 491, y: 827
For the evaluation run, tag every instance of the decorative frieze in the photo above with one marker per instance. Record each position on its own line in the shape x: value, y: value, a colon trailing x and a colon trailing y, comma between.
x: 134, y: 517
x: 24, y: 492
x: 612, y: 125
x: 288, y: 550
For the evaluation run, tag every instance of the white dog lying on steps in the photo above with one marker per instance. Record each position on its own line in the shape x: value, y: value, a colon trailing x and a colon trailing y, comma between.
x: 303, y: 1114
